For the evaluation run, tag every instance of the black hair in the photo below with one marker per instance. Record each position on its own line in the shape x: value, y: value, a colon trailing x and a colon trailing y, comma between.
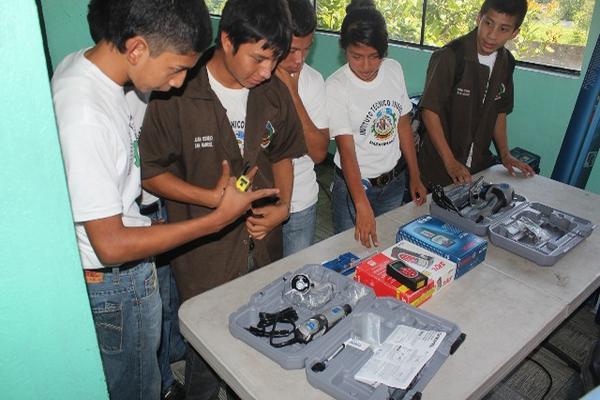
x: 364, y: 25
x: 182, y: 26
x: 304, y: 18
x: 250, y: 21
x: 515, y: 8
x: 98, y: 16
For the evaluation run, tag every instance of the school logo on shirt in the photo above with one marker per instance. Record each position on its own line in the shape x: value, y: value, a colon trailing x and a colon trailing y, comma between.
x: 381, y: 122
x: 501, y: 91
x: 239, y: 132
x: 384, y: 124
x: 134, y: 150
x: 268, y: 135
x: 136, y: 153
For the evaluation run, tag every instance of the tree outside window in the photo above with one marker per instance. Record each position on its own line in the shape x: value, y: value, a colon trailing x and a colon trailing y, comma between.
x: 554, y: 33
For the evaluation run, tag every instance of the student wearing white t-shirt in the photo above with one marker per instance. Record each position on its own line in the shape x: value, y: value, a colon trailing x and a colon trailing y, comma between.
x: 150, y: 44
x: 368, y: 110
x: 307, y: 89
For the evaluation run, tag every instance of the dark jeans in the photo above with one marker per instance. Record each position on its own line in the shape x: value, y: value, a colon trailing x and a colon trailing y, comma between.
x: 172, y: 346
x: 201, y: 382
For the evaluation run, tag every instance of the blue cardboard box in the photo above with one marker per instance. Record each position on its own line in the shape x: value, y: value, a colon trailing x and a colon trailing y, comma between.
x: 345, y: 263
x: 465, y: 249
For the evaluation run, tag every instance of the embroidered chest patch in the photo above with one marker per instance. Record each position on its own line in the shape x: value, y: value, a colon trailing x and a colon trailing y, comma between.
x: 268, y: 135
x: 501, y: 91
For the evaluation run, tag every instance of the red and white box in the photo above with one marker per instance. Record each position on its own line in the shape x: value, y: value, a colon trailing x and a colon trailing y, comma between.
x: 437, y: 269
x: 372, y: 272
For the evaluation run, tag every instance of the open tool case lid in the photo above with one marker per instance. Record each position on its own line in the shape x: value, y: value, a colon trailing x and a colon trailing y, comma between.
x: 337, y: 378
x: 534, y: 231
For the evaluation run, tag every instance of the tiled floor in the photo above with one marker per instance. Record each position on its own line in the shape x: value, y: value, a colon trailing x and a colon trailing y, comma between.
x: 546, y: 375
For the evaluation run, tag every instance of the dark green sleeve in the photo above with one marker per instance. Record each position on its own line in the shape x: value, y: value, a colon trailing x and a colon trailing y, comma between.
x: 288, y: 140
x: 160, y: 139
x: 439, y: 80
x: 505, y: 102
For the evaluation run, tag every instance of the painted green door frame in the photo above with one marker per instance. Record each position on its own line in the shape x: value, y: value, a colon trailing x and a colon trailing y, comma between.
x: 48, y: 346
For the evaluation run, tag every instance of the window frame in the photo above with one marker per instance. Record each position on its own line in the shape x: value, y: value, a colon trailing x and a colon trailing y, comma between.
x: 421, y: 46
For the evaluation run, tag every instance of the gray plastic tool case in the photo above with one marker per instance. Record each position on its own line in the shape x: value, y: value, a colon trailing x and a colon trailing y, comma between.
x: 562, y: 231
x: 337, y: 379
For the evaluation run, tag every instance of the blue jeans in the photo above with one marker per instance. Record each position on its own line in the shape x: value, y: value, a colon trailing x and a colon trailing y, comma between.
x: 126, y: 308
x: 172, y: 346
x: 382, y: 199
x: 299, y: 230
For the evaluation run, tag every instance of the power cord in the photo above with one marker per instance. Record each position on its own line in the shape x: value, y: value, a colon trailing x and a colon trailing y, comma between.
x: 286, y: 316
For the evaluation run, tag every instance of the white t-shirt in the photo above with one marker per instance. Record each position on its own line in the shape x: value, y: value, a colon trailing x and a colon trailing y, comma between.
x: 311, y: 89
x: 138, y: 102
x: 234, y: 102
x: 99, y: 144
x: 488, y: 60
x: 370, y: 111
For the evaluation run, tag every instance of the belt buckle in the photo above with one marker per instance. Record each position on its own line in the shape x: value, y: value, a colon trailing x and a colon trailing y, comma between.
x: 383, y: 179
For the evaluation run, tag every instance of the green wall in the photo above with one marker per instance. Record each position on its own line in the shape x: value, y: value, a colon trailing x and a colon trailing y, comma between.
x: 48, y: 347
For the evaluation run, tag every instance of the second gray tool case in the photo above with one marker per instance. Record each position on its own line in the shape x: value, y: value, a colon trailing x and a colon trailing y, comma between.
x: 532, y: 230
x: 370, y: 315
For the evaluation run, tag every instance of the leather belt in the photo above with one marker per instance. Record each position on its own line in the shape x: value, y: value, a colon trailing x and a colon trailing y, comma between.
x: 383, y: 179
x: 122, y: 267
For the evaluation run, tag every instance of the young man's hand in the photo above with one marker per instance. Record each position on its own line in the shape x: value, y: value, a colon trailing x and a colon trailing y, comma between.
x: 365, y: 228
x: 264, y: 219
x: 234, y: 203
x: 290, y: 80
x: 418, y: 191
x: 458, y: 172
x: 216, y: 194
x: 510, y: 163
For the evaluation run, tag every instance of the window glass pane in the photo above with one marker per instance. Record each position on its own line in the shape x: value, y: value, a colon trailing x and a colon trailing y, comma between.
x: 330, y: 14
x: 215, y: 6
x: 403, y: 17
x: 554, y: 32
x: 446, y: 20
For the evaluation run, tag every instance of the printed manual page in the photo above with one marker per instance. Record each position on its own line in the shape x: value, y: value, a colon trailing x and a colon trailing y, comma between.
x: 399, y: 359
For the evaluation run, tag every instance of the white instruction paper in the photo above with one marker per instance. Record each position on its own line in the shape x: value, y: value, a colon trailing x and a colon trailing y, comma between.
x: 400, y: 358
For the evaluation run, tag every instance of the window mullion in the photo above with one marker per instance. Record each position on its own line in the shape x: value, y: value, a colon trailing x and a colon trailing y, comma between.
x: 423, y: 14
